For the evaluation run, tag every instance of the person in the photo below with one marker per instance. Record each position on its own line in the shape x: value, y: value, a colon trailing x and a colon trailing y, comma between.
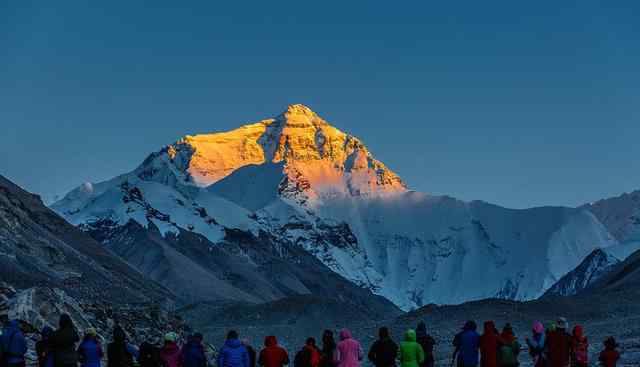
x: 328, y: 349
x: 233, y: 353
x: 170, y: 353
x: 308, y: 356
x: 251, y: 351
x: 466, y: 346
x: 63, y: 343
x: 149, y: 354
x: 558, y: 345
x: 45, y: 358
x: 348, y: 351
x: 273, y: 355
x: 193, y: 352
x: 411, y: 353
x: 13, y: 345
x: 427, y: 342
x: 536, y: 344
x: 489, y: 345
x: 90, y: 351
x: 579, y: 347
x: 609, y: 356
x: 508, y: 348
x: 384, y: 351
x: 119, y: 352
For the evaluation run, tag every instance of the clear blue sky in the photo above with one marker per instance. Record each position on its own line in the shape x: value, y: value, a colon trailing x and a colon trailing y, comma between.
x: 520, y: 103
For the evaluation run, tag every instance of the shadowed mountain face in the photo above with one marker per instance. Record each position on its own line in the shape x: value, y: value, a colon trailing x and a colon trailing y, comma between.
x: 39, y: 248
x: 300, y: 182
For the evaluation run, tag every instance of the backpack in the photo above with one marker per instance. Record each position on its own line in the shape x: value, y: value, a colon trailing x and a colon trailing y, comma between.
x: 581, y: 351
x: 507, y: 355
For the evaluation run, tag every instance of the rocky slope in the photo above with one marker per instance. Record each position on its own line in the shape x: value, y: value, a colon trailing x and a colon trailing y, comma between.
x: 597, y: 265
x: 303, y: 183
x: 49, y: 267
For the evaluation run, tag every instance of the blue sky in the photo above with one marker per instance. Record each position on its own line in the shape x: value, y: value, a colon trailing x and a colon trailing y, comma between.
x: 517, y: 103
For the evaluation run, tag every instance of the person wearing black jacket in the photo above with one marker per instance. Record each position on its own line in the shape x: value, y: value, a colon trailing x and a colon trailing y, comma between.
x: 427, y: 343
x: 63, y: 343
x: 149, y: 355
x: 384, y: 351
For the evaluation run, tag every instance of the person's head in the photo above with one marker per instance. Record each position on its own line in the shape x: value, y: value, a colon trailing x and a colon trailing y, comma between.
x: 421, y: 328
x: 270, y: 341
x: 562, y: 323
x: 552, y: 327
x: 537, y: 327
x: 246, y: 342
x: 507, y: 329
x: 65, y: 321
x: 14, y: 325
x: 119, y: 336
x: 170, y: 338
x: 327, y: 339
x: 232, y: 334
x: 410, y: 335
x: 383, y: 332
x: 197, y: 337
x: 345, y: 334
x: 311, y: 342
x: 91, y: 333
x: 489, y: 327
x: 46, y: 332
x: 470, y: 325
x: 578, y: 331
x: 610, y: 343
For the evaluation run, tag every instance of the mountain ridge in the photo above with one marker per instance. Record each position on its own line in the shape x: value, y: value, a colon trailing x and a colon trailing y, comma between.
x: 306, y: 183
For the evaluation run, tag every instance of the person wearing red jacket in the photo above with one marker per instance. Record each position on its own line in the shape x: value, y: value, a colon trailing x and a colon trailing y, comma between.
x: 273, y: 355
x: 609, y: 356
x: 489, y: 345
x: 558, y: 345
x: 579, y: 348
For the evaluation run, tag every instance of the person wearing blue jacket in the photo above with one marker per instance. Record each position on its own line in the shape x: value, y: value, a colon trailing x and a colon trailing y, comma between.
x: 90, y: 350
x: 193, y: 352
x: 467, y: 344
x: 14, y: 345
x: 233, y: 353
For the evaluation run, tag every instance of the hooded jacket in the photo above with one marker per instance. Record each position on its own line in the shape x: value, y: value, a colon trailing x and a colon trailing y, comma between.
x: 272, y: 355
x: 171, y: 355
x: 411, y: 353
x: 90, y: 353
x: 383, y: 352
x: 509, y: 349
x: 579, y: 347
x: 233, y: 354
x: 557, y: 347
x: 489, y: 345
x: 13, y: 343
x: 467, y: 344
x: 63, y: 342
x: 536, y: 345
x: 193, y: 354
x: 348, y: 352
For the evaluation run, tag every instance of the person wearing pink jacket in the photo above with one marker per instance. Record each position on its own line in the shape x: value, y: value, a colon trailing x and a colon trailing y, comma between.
x: 348, y: 352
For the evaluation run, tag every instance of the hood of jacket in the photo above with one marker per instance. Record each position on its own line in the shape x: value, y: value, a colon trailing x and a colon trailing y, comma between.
x: 270, y: 341
x: 233, y: 343
x: 578, y: 331
x: 345, y: 334
x: 410, y: 335
x: 489, y: 327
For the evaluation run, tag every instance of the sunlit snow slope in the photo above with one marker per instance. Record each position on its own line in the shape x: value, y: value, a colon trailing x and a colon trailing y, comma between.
x: 305, y: 182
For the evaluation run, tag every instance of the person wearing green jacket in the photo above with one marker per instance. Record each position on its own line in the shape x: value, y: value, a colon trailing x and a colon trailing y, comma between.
x: 411, y: 353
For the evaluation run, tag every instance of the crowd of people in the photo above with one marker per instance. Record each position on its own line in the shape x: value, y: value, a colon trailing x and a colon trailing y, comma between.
x: 553, y: 346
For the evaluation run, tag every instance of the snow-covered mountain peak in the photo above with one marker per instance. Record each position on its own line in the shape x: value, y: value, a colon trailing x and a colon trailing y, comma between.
x: 308, y: 151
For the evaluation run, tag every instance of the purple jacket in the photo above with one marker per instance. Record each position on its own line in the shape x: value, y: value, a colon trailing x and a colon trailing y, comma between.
x: 348, y: 352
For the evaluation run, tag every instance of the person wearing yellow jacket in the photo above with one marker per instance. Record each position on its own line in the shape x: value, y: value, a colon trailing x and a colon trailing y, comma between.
x: 411, y: 353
